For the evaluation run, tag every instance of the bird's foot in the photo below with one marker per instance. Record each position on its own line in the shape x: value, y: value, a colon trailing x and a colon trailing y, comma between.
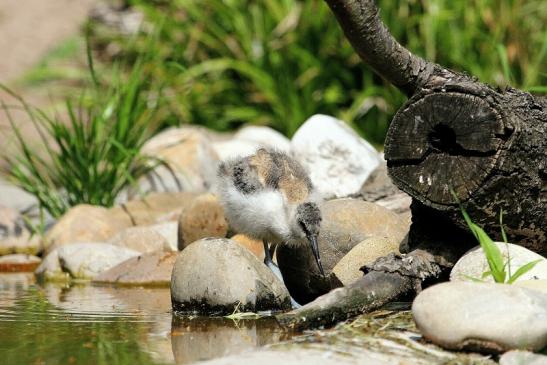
x: 277, y: 272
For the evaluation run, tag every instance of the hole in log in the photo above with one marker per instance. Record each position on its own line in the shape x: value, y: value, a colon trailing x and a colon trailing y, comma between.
x: 444, y: 141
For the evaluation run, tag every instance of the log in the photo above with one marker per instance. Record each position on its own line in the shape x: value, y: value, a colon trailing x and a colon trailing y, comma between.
x: 455, y: 133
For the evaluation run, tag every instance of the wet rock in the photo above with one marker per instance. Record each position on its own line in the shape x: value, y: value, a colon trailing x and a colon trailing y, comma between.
x: 199, y: 338
x: 255, y: 246
x: 158, y: 237
x: 14, y: 235
x: 19, y: 263
x: 234, y: 148
x: 473, y: 264
x: 217, y: 275
x: 482, y: 317
x: 189, y: 156
x: 346, y: 222
x: 85, y: 223
x: 204, y: 217
x: 347, y: 270
x: 264, y: 136
x: 154, y: 208
x: 337, y: 159
x: 82, y: 260
x: 522, y: 358
x: 152, y: 269
x: 304, y: 356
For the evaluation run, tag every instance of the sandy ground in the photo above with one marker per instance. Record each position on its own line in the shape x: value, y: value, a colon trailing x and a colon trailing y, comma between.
x: 29, y: 29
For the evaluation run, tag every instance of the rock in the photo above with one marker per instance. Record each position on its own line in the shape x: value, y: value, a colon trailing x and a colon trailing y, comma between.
x: 85, y: 223
x: 216, y: 275
x: 482, y: 317
x: 14, y: 197
x: 19, y: 263
x: 151, y: 269
x: 517, y: 357
x: 204, y: 217
x: 346, y: 222
x: 82, y: 260
x: 190, y: 157
x: 540, y: 285
x: 14, y: 235
x: 159, y: 237
x: 473, y: 264
x: 378, y: 185
x: 154, y: 208
x: 305, y: 356
x: 337, y: 159
x: 234, y: 148
x: 347, y: 270
x: 255, y: 246
x: 264, y: 136
x: 399, y: 203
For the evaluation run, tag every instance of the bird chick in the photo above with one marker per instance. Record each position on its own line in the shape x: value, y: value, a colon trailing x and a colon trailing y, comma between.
x: 269, y: 196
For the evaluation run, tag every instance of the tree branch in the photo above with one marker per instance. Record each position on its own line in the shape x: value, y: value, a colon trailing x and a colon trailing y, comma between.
x: 360, y: 20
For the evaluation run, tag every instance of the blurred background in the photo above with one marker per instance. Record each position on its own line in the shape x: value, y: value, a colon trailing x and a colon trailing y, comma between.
x: 222, y: 64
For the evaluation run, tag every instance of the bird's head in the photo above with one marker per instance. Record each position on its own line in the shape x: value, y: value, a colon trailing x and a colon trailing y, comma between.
x: 306, y: 226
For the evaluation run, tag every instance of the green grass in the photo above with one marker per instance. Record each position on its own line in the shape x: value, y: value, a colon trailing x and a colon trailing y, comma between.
x: 92, y: 153
x: 500, y: 269
x: 278, y: 62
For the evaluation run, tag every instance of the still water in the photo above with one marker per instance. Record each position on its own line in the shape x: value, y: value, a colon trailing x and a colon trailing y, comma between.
x: 86, y: 324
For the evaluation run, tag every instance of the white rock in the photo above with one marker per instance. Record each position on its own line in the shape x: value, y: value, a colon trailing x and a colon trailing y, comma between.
x: 157, y: 237
x: 473, y: 264
x: 16, y: 198
x: 233, y: 148
x: 265, y: 136
x: 337, y: 159
x: 83, y: 260
x: 482, y: 316
x: 522, y: 358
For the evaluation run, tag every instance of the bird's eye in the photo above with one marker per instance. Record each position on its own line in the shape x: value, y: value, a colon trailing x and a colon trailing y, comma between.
x: 304, y: 228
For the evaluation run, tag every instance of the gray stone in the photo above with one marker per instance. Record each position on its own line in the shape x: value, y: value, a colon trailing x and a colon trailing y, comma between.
x: 337, y: 159
x: 216, y: 275
x: 473, y: 264
x: 19, y: 263
x: 347, y: 270
x: 14, y: 234
x: 378, y: 185
x: 159, y: 237
x: 13, y: 197
x: 82, y: 260
x: 151, y: 269
x: 346, y: 222
x: 516, y: 357
x: 482, y: 317
x: 399, y: 203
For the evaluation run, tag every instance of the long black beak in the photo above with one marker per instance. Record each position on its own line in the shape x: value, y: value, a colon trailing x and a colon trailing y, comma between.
x: 315, y: 250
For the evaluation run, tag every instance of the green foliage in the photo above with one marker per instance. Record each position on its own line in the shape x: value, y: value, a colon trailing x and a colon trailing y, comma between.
x: 500, y: 270
x: 278, y: 62
x: 93, y: 155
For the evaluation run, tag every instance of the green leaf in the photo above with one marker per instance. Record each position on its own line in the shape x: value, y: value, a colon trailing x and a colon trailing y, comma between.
x: 523, y: 270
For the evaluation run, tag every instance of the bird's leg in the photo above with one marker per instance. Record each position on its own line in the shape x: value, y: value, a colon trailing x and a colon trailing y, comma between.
x: 268, y: 253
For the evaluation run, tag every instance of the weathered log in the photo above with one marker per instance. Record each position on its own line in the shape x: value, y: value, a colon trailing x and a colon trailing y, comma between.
x: 455, y: 133
x: 388, y: 279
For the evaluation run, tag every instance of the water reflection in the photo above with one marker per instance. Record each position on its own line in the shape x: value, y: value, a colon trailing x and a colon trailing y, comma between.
x: 85, y: 324
x: 196, y: 339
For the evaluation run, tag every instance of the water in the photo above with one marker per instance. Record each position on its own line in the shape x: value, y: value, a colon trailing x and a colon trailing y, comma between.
x: 86, y: 324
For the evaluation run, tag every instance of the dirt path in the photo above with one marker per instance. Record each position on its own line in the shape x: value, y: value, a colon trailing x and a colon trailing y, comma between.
x: 29, y: 29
